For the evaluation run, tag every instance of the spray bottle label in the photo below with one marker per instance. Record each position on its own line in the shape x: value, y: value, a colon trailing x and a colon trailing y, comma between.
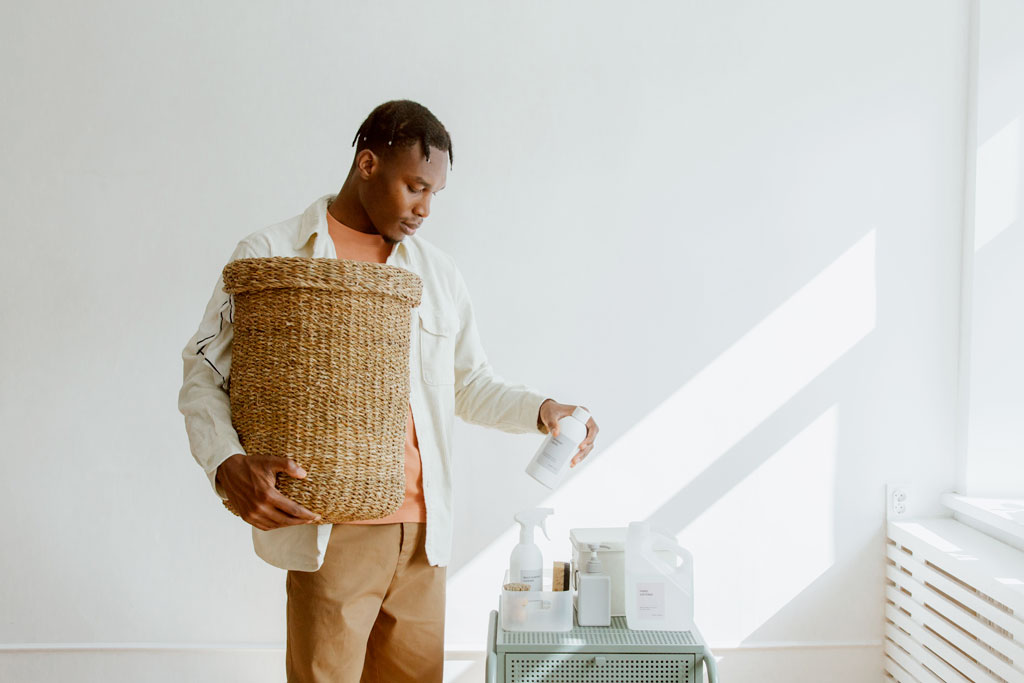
x: 534, y: 578
x: 650, y: 600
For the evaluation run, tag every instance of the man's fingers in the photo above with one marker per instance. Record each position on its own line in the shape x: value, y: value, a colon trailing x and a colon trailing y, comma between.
x: 551, y: 422
x: 290, y: 507
x: 273, y: 518
x: 587, y: 444
x: 552, y: 426
x: 583, y: 452
x: 286, y: 465
x: 276, y: 510
x: 588, y: 441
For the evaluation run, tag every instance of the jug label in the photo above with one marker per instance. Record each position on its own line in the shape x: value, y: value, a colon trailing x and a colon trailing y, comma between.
x: 650, y: 600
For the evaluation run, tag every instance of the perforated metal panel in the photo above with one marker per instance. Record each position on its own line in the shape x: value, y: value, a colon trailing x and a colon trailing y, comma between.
x: 615, y: 638
x: 570, y: 668
x: 590, y: 654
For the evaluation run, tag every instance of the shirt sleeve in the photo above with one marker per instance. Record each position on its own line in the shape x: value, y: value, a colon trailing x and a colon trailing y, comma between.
x: 203, y: 398
x: 481, y: 396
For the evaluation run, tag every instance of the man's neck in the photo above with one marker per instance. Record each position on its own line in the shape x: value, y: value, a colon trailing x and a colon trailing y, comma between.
x: 348, y: 211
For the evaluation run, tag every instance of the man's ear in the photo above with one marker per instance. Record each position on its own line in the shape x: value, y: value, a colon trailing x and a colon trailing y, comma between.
x: 367, y: 163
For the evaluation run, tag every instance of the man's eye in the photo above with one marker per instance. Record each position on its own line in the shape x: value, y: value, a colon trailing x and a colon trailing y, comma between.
x: 412, y: 189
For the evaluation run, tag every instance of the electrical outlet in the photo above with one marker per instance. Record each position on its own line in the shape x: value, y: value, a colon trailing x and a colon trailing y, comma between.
x: 897, y: 498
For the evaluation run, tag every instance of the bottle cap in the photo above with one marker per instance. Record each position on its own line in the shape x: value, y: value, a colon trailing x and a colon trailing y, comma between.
x: 581, y: 414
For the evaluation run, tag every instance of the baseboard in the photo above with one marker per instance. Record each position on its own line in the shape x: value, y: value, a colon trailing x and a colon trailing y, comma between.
x: 771, y: 662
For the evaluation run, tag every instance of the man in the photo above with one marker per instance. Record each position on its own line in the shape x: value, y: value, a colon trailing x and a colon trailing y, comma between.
x: 366, y: 599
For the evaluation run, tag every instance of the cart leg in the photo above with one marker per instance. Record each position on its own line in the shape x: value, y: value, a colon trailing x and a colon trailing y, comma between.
x: 492, y: 648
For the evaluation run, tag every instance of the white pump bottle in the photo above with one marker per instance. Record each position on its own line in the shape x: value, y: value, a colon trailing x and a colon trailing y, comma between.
x: 594, y: 596
x: 526, y: 565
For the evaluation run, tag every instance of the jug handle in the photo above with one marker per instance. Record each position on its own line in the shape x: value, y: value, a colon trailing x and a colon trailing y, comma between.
x: 670, y: 544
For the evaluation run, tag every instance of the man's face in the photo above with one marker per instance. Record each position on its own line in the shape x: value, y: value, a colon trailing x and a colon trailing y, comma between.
x: 398, y: 190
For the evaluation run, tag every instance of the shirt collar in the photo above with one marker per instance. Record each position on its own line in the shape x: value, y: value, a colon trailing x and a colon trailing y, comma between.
x: 314, y: 222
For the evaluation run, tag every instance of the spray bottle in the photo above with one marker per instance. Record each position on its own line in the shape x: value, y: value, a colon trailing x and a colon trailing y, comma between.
x: 526, y: 565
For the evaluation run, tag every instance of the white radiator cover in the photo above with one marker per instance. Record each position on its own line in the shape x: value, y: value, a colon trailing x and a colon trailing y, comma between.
x: 954, y: 605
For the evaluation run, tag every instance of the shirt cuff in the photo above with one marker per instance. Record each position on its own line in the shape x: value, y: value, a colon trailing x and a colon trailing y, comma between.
x: 531, y: 411
x: 216, y: 487
x: 212, y: 473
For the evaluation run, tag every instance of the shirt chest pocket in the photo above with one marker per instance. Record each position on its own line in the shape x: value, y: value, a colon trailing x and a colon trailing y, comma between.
x: 437, y: 347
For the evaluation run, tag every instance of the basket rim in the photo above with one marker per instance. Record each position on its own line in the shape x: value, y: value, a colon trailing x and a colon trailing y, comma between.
x: 255, y: 274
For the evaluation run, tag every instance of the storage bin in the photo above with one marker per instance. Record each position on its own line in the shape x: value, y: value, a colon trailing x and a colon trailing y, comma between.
x: 320, y: 374
x: 544, y: 610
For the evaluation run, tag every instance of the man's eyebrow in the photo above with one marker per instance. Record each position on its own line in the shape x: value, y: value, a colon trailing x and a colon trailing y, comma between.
x: 423, y: 181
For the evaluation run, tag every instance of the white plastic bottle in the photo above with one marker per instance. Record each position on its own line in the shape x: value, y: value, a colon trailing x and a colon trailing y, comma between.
x: 526, y: 565
x: 659, y: 594
x: 552, y: 460
x: 594, y: 596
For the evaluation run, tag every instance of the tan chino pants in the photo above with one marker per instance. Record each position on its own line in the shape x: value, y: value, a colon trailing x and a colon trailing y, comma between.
x: 373, y: 613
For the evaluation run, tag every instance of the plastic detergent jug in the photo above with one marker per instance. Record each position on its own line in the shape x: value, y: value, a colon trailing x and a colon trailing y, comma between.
x: 659, y: 594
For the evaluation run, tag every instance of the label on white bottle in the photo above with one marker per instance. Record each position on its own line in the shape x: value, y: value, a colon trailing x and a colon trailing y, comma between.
x: 650, y: 600
x: 533, y: 578
x: 548, y: 457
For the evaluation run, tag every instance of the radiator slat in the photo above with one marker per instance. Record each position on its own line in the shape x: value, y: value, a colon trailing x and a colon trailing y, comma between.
x: 954, y: 605
x: 951, y: 644
x: 958, y: 550
x: 895, y: 633
x: 904, y: 664
x: 986, y: 609
x: 944, y: 660
x: 990, y: 638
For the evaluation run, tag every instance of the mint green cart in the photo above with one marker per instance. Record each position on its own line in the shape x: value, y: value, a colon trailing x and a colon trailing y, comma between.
x: 590, y: 654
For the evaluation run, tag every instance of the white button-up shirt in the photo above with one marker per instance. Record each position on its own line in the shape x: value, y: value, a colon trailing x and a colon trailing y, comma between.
x: 449, y: 376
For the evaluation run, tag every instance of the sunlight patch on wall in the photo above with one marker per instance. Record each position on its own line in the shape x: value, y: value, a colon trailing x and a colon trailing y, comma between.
x: 761, y: 544
x: 997, y: 195
x: 678, y: 440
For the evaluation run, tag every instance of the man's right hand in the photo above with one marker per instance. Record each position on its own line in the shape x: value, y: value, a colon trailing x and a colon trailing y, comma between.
x: 249, y: 482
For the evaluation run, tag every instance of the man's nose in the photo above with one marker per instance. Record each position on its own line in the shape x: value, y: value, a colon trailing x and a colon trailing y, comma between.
x: 422, y: 208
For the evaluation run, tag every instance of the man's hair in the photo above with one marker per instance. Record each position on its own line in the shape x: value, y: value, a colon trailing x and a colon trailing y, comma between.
x: 401, y: 123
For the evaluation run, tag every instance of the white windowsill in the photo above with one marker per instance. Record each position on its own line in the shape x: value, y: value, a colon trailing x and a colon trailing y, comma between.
x: 1001, y: 518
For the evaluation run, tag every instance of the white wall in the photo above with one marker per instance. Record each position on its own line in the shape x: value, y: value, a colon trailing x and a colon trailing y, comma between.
x: 731, y: 229
x: 994, y: 252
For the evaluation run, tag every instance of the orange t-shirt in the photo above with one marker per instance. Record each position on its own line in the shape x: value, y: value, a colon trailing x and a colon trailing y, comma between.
x: 360, y: 246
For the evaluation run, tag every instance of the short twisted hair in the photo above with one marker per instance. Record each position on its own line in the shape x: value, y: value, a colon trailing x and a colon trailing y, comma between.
x: 402, y: 123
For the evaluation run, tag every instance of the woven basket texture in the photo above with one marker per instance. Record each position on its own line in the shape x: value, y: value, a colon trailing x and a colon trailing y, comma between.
x: 320, y: 374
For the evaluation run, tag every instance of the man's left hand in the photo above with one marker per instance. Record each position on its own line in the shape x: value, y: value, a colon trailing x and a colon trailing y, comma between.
x: 547, y: 421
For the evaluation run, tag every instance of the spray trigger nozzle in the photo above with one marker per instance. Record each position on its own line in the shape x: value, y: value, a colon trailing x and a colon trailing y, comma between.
x: 530, y: 518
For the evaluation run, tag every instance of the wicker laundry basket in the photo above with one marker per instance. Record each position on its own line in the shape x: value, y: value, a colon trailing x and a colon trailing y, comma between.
x: 320, y: 374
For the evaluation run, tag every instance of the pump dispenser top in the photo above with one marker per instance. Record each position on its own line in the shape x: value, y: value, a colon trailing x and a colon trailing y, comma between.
x: 594, y: 563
